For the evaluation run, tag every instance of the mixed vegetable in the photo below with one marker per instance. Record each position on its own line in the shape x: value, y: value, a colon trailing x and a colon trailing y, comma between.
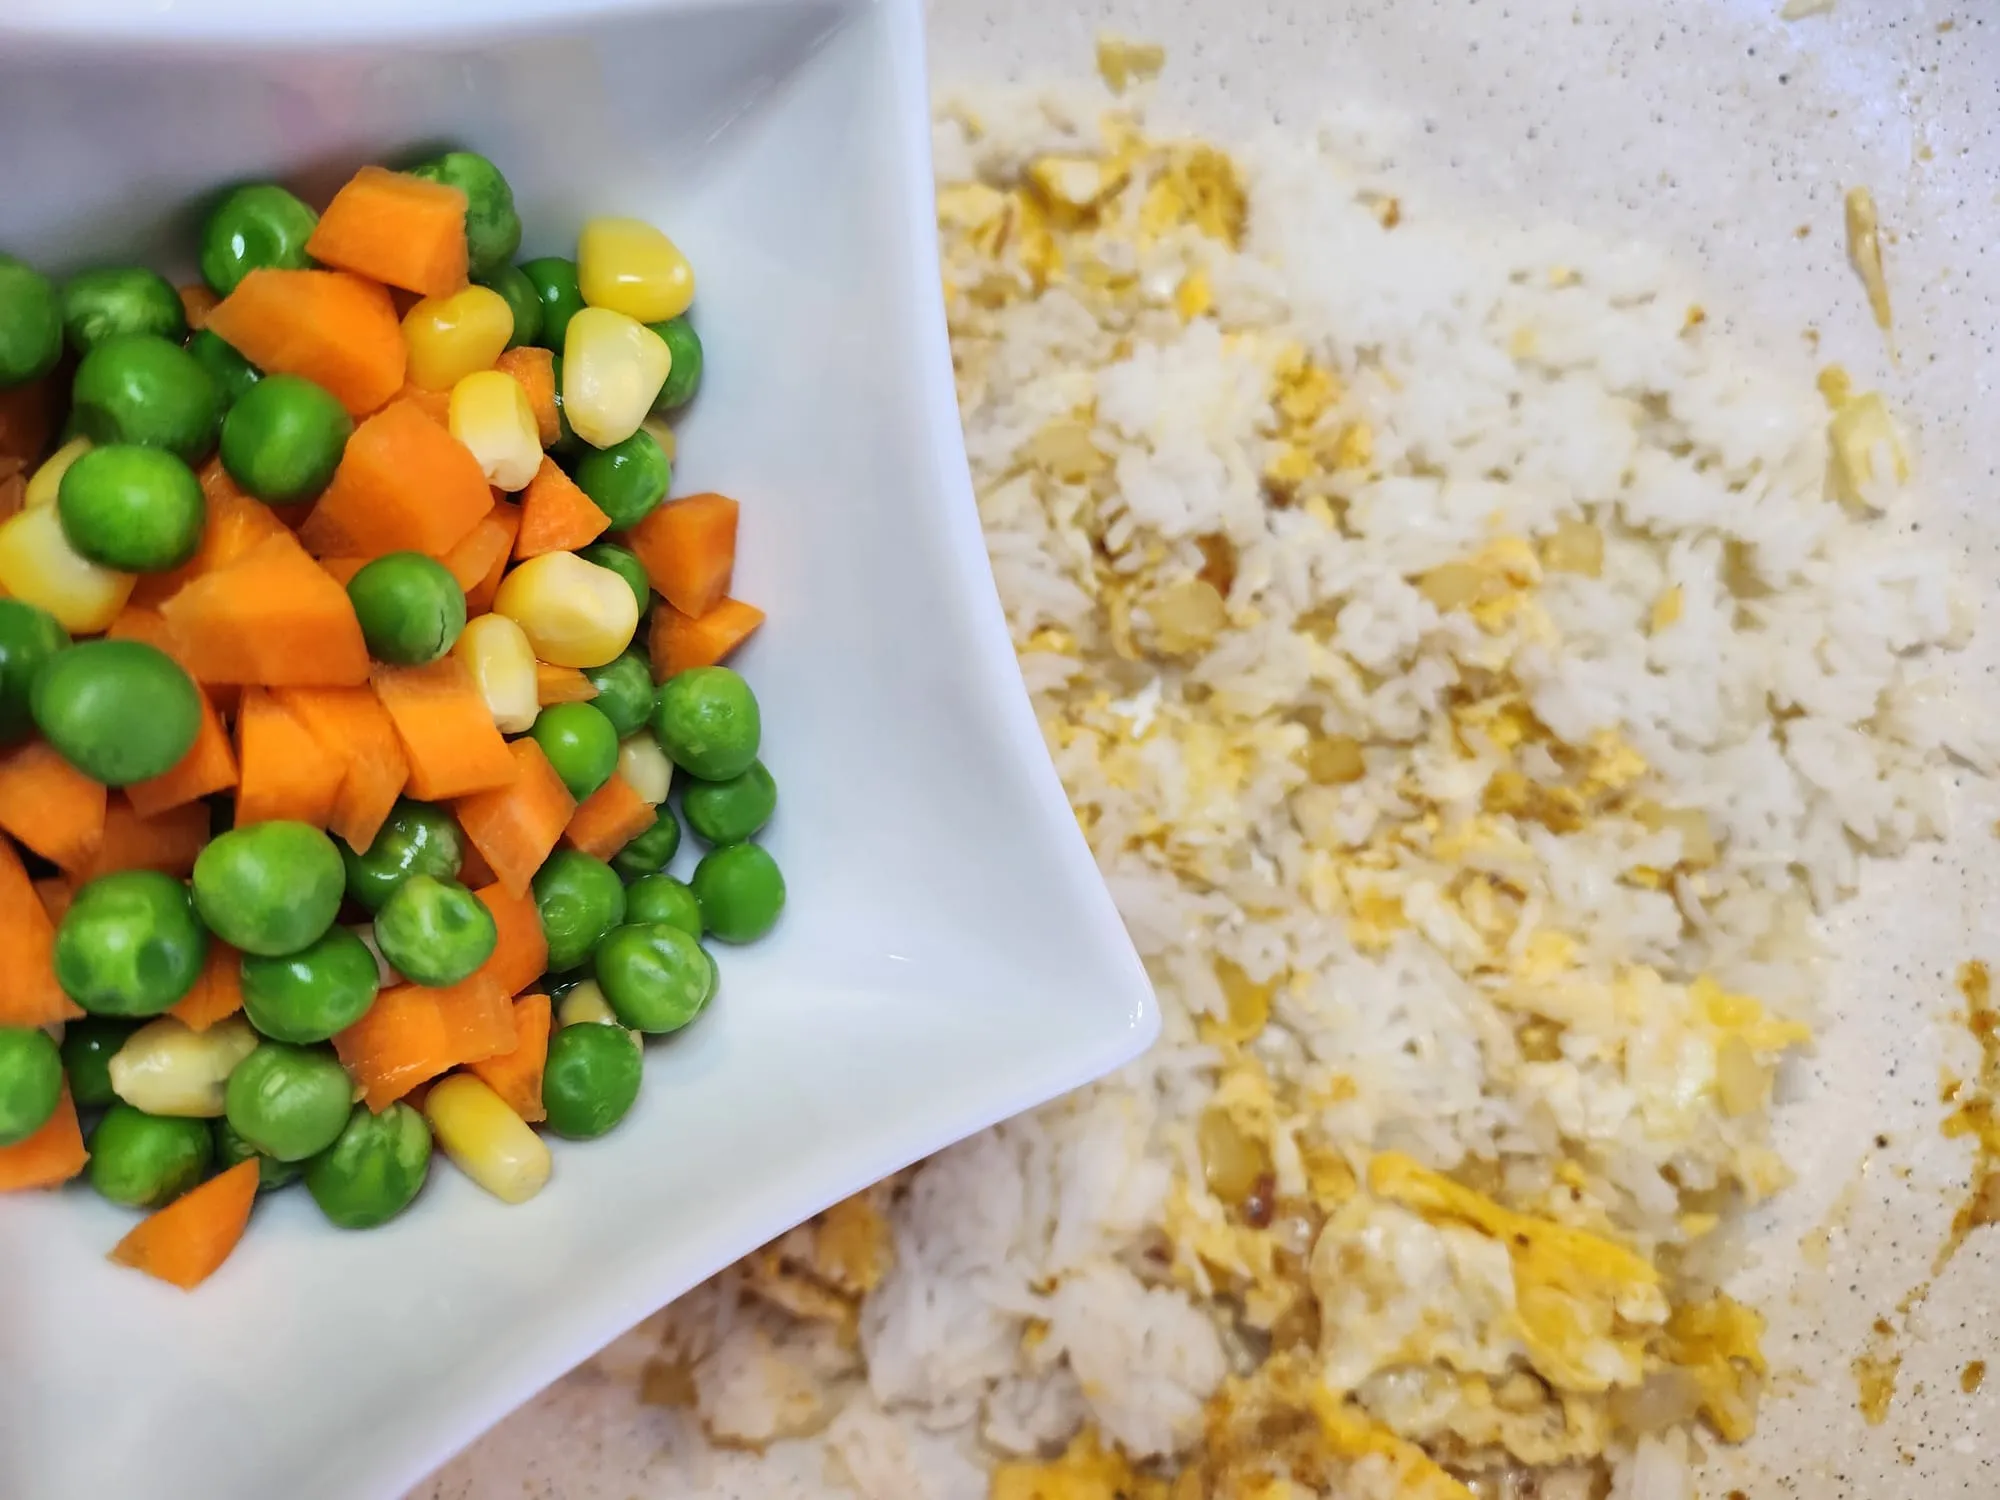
x: 349, y: 644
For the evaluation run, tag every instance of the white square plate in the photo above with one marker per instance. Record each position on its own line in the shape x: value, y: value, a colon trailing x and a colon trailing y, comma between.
x: 948, y: 957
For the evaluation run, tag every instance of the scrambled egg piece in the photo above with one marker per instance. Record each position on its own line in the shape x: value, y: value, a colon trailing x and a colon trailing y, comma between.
x: 1087, y: 1470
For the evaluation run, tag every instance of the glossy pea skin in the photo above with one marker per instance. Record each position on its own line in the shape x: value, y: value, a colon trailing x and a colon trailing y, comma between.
x: 626, y: 481
x: 580, y: 743
x: 269, y: 889
x: 661, y: 898
x: 283, y: 439
x: 434, y: 932
x: 579, y: 898
x: 31, y: 1080
x: 512, y: 283
x: 708, y: 723
x: 374, y: 1168
x: 114, y: 300
x: 258, y: 226
x: 554, y: 280
x: 313, y: 994
x: 741, y: 892
x: 728, y: 812
x: 88, y: 1045
x: 626, y: 692
x: 145, y: 1161
x: 31, y: 328
x: 684, y: 378
x: 627, y: 566
x: 138, y: 388
x: 288, y: 1102
x: 231, y: 372
x: 655, y: 977
x: 231, y: 1148
x: 651, y: 851
x: 129, y: 945
x: 415, y: 839
x: 492, y: 227
x: 119, y: 711
x: 134, y: 509
x: 411, y: 609
x: 29, y: 638
x: 590, y: 1080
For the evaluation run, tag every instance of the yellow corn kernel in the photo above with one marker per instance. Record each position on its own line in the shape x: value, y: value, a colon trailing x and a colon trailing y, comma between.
x: 630, y: 267
x: 450, y: 337
x: 166, y: 1067
x: 645, y: 767
x: 497, y: 653
x: 585, y: 1005
x: 613, y: 367
x: 490, y: 414
x: 46, y: 481
x: 485, y: 1139
x: 575, y: 613
x: 38, y: 566
x: 661, y: 431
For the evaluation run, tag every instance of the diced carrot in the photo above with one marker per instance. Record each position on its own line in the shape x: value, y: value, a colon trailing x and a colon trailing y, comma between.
x: 535, y: 369
x: 167, y: 842
x: 207, y: 768
x: 515, y: 826
x: 473, y: 871
x: 342, y: 569
x: 413, y: 1033
x: 29, y: 994
x: 434, y: 404
x: 396, y: 228
x: 556, y: 516
x: 52, y: 1155
x: 236, y: 523
x: 613, y: 817
x: 197, y: 302
x: 485, y: 545
x: 521, y: 952
x: 186, y: 1241
x: 285, y: 772
x: 479, y: 598
x: 677, y: 642
x: 13, y: 490
x: 337, y: 330
x: 50, y: 806
x: 217, y: 993
x: 352, y: 725
x: 26, y: 412
x: 516, y: 1076
x: 688, y: 548
x: 273, y: 618
x: 562, y: 685
x: 446, y: 728
x: 404, y: 485
x: 55, y: 893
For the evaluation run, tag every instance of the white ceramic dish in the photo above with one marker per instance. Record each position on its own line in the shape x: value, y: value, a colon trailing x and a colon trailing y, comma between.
x: 949, y: 955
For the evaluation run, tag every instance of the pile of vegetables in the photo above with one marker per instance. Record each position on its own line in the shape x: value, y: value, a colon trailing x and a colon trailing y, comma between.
x: 348, y: 647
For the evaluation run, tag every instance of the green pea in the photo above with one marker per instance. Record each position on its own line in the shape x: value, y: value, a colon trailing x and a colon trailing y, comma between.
x: 728, y: 812
x: 138, y: 510
x: 654, y: 976
x: 652, y: 850
x: 434, y: 931
x: 492, y: 227
x: 590, y: 1079
x: 231, y: 372
x: 580, y: 743
x: 627, y: 480
x: 410, y: 607
x: 114, y: 300
x: 31, y: 1080
x: 373, y: 1169
x: 511, y: 282
x: 270, y: 888
x: 258, y: 226
x: 627, y: 566
x: 554, y: 280
x: 145, y: 1161
x: 580, y: 898
x: 283, y: 439
x: 231, y: 1148
x: 661, y: 898
x: 289, y: 1102
x: 29, y: 638
x: 138, y: 388
x: 741, y: 892
x: 415, y: 839
x: 31, y: 331
x: 684, y: 377
x: 119, y: 711
x: 88, y: 1045
x: 625, y: 689
x: 313, y: 994
x: 708, y: 723
x: 129, y: 945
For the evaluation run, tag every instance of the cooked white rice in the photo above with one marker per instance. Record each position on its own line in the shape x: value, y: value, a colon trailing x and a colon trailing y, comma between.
x: 1472, y: 687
